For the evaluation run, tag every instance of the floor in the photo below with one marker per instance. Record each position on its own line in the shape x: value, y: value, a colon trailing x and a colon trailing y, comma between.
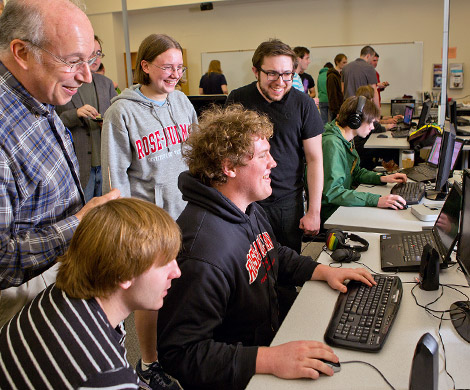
x: 312, y: 249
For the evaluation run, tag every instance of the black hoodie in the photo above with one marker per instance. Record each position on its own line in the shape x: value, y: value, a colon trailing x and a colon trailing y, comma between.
x: 225, y: 303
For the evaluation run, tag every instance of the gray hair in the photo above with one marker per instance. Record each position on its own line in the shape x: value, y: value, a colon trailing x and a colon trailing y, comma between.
x: 25, y: 21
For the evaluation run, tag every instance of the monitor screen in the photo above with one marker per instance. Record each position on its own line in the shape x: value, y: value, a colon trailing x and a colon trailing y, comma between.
x: 408, y: 115
x: 447, y: 224
x: 424, y: 113
x: 433, y: 157
x: 203, y: 102
x: 463, y: 246
x: 445, y: 159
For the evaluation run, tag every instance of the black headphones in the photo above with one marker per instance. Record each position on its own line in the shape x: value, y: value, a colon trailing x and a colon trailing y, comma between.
x: 342, y: 252
x: 354, y: 120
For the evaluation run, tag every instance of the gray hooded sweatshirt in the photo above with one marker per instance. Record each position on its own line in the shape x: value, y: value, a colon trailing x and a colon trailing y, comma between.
x: 141, y: 147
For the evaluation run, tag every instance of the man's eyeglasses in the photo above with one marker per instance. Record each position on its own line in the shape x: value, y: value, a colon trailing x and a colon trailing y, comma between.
x: 274, y: 76
x: 72, y: 66
x: 170, y: 69
x: 100, y: 54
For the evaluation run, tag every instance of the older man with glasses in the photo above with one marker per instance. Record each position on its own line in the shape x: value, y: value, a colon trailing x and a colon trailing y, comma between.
x: 41, y: 200
x: 83, y: 115
x: 297, y: 136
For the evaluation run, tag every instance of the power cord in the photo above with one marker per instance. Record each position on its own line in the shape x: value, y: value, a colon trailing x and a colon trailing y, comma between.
x: 370, y: 365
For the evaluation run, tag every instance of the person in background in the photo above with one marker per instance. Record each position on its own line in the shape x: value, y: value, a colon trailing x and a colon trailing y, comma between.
x: 322, y: 92
x: 360, y: 72
x: 101, y: 70
x: 370, y: 158
x: 41, y: 199
x: 83, y: 116
x: 297, y: 81
x: 121, y: 258
x: 380, y: 85
x: 342, y: 164
x: 303, y: 59
x: 213, y: 82
x: 221, y: 315
x: 333, y: 86
x: 143, y: 134
x: 297, y: 139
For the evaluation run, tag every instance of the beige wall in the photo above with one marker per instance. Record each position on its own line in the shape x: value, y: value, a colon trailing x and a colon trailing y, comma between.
x: 242, y: 25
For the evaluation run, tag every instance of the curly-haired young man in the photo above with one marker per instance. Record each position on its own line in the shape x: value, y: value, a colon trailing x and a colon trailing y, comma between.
x: 223, y: 312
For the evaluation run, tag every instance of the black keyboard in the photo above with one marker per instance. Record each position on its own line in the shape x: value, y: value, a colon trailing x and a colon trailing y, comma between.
x: 413, y: 245
x: 363, y: 316
x: 400, y: 133
x: 421, y: 172
x: 412, y: 192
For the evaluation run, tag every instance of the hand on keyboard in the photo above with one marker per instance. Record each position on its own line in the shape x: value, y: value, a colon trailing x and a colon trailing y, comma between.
x: 394, y: 178
x: 335, y: 277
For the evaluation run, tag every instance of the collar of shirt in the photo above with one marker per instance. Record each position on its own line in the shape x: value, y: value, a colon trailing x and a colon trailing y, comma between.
x: 8, y: 81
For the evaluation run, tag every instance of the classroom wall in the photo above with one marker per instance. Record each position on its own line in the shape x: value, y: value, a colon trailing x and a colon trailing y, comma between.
x: 242, y: 25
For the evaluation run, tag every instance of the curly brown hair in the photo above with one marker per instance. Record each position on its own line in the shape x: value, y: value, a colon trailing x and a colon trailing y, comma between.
x: 223, y: 134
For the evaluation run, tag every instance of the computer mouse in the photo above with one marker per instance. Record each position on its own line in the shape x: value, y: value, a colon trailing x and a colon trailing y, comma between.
x: 382, y: 136
x: 335, y: 366
x: 405, y: 206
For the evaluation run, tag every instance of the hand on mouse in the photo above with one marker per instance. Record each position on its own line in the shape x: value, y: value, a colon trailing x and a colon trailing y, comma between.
x: 296, y: 359
x: 395, y: 202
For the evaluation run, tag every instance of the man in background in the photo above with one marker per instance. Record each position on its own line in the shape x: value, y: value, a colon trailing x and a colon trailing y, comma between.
x: 360, y: 72
x: 334, y: 87
x: 41, y: 200
x: 121, y: 258
x: 380, y: 85
x: 322, y: 91
x: 297, y: 138
x: 83, y: 116
x: 303, y: 58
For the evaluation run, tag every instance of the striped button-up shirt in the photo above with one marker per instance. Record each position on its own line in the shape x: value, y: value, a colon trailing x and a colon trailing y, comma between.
x: 39, y: 186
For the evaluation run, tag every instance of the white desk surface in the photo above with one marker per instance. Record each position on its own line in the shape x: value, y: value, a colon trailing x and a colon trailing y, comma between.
x: 311, y: 312
x: 375, y: 219
x: 386, y: 143
x: 400, y: 143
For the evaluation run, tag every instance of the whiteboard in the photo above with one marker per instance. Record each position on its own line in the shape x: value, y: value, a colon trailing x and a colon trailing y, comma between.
x: 401, y: 64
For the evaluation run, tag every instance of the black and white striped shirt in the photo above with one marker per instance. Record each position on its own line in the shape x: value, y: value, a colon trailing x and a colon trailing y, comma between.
x: 57, y: 342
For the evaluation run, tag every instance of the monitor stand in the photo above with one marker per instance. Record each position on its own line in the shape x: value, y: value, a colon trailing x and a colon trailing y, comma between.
x: 438, y: 195
x: 460, y: 315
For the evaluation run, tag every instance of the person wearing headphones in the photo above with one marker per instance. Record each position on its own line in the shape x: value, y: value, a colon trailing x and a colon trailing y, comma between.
x: 341, y: 162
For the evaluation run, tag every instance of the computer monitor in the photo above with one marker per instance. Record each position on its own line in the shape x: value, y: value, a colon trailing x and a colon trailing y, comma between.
x: 408, y: 115
x: 444, y: 165
x: 460, y: 310
x: 203, y: 102
x: 425, y: 110
x: 463, y: 246
x: 433, y: 157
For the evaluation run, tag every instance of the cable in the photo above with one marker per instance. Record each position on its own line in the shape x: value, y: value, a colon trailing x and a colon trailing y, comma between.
x: 370, y: 365
x: 444, y: 350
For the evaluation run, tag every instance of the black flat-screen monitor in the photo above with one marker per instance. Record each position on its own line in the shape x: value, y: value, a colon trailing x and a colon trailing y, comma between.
x: 203, y: 102
x: 445, y: 164
x: 425, y: 110
x: 463, y: 246
x: 460, y: 310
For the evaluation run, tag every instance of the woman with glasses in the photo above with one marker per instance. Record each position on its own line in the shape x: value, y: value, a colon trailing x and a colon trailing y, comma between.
x: 213, y: 82
x: 143, y: 133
